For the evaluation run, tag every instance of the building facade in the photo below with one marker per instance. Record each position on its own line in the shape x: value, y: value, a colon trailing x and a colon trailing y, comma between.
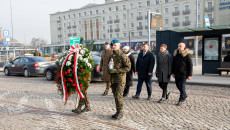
x: 1, y: 33
x: 123, y: 18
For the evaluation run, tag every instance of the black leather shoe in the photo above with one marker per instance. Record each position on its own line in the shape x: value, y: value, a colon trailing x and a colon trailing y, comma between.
x: 119, y: 116
x: 104, y: 94
x: 78, y: 111
x: 184, y: 98
x: 179, y: 103
x: 135, y: 97
x: 167, y: 96
x: 149, y: 97
x: 114, y: 115
x: 86, y: 109
x: 161, y: 100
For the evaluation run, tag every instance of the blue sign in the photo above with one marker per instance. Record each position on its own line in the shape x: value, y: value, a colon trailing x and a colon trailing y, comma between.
x: 6, y: 33
x: 6, y: 43
x: 40, y: 49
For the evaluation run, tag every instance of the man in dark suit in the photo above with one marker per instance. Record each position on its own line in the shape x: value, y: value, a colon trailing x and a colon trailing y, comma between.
x: 144, y: 69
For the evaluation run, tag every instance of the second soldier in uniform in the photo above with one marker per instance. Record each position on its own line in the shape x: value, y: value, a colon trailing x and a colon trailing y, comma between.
x: 119, y: 64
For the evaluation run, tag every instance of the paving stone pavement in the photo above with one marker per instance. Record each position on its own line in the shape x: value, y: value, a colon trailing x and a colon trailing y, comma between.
x: 33, y: 103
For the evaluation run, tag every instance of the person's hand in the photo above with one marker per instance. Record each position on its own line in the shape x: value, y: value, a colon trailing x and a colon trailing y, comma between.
x: 173, y: 75
x: 136, y: 73
x: 189, y: 77
x: 150, y: 74
x: 112, y: 71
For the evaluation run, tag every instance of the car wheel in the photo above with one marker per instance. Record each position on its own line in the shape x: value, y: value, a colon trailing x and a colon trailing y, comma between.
x: 26, y: 73
x: 49, y: 75
x: 7, y: 72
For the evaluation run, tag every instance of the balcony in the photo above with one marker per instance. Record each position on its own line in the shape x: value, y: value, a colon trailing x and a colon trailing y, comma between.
x: 186, y: 23
x: 68, y: 27
x: 69, y: 35
x: 117, y: 30
x: 74, y: 26
x: 140, y: 18
x: 209, y: 9
x: 59, y: 35
x: 110, y: 30
x: 110, y: 21
x: 59, y: 28
x: 58, y: 21
x: 186, y: 12
x: 74, y: 34
x: 176, y: 13
x: 140, y: 28
x: 176, y: 24
x: 117, y: 21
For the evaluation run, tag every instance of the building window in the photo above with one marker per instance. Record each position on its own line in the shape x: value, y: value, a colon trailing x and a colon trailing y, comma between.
x: 91, y: 13
x: 140, y: 34
x: 176, y: 9
x: 79, y: 14
x: 80, y: 31
x: 176, y: 20
x: 103, y: 28
x: 69, y: 16
x: 110, y: 9
x: 110, y: 27
x: 210, y: 16
x: 124, y: 16
x: 198, y: 17
x: 103, y: 19
x: 117, y: 25
x: 148, y: 3
x: 166, y: 1
x: 132, y: 25
x: 124, y: 35
x: 124, y: 25
x: 131, y: 6
x: 111, y: 35
x: 132, y: 34
x: 157, y: 2
x: 131, y: 16
x: 186, y: 7
x: 166, y: 21
x: 117, y: 8
x: 103, y: 11
x: 64, y: 25
x: 186, y: 19
x: 103, y: 36
x: 117, y: 35
x: 124, y: 7
x: 166, y: 10
x: 199, y: 6
x: 157, y: 10
x: 110, y: 18
x: 79, y: 22
x: 96, y: 11
x: 139, y: 4
x: 139, y: 14
x: 84, y: 13
x: 74, y: 16
x: 117, y: 17
x: 140, y: 24
x: 64, y: 17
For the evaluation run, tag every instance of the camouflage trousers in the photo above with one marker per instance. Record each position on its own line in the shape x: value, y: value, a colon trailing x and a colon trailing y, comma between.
x: 118, y: 89
x: 84, y: 101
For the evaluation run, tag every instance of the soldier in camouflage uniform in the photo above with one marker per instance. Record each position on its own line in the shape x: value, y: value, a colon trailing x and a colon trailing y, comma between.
x: 122, y: 65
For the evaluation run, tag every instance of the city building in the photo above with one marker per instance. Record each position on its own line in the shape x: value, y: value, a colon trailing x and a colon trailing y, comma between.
x: 1, y: 34
x: 127, y: 20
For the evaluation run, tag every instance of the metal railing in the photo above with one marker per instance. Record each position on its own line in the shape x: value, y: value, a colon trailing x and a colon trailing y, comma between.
x: 186, y: 11
x: 176, y: 13
x: 139, y: 17
x: 176, y: 24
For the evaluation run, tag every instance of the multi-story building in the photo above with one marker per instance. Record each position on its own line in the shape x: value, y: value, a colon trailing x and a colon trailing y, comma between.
x: 123, y: 18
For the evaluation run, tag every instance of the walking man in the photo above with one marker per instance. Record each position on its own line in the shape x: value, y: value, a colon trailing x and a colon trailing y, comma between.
x: 144, y: 69
x: 163, y: 71
x: 106, y: 53
x: 129, y: 75
x: 182, y: 70
x: 119, y: 64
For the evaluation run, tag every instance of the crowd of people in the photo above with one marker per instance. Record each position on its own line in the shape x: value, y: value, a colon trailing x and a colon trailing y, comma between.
x: 119, y: 66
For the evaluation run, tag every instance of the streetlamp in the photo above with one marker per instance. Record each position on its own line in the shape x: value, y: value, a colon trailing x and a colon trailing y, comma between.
x: 11, y: 20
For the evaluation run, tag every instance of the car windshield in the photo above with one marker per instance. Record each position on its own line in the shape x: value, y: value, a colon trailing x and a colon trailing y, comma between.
x: 39, y: 59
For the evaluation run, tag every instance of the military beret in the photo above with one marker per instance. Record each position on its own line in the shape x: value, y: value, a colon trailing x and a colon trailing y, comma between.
x: 115, y: 41
x: 107, y: 42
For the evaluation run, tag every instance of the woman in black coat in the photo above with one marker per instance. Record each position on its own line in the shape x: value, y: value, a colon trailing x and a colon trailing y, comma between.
x: 163, y: 71
x: 129, y: 75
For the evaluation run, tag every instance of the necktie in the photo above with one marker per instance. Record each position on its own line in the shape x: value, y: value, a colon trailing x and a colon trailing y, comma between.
x: 144, y: 53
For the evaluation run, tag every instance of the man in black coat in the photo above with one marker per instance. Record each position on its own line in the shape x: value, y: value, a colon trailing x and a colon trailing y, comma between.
x: 129, y: 75
x: 144, y: 69
x: 182, y: 70
x: 227, y: 58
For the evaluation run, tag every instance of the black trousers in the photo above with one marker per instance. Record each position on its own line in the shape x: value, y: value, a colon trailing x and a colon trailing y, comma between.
x: 180, y: 83
x: 126, y: 91
x: 163, y: 86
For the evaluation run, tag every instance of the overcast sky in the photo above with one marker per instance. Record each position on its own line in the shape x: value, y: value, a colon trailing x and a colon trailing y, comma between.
x: 31, y: 17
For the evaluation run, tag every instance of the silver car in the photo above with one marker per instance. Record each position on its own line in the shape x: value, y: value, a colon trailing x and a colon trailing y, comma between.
x: 27, y: 66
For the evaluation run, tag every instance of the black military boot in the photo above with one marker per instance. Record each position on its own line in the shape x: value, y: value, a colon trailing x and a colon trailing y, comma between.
x: 104, y: 94
x: 114, y: 115
x: 77, y: 110
x: 119, y: 116
x: 86, y: 109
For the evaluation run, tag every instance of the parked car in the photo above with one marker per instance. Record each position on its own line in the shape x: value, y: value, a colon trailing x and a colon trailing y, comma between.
x: 96, y: 74
x: 27, y: 66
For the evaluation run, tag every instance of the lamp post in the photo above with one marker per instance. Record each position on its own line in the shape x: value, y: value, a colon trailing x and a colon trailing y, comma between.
x: 196, y: 40
x: 11, y: 14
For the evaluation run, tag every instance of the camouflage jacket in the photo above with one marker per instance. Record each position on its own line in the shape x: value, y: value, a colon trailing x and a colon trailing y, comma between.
x: 122, y: 65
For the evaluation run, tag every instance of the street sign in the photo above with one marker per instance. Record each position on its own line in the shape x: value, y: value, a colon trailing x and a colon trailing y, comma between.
x: 6, y: 33
x: 156, y: 21
x: 7, y: 48
x: 207, y: 22
x: 6, y: 43
x: 74, y: 40
x: 40, y: 49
